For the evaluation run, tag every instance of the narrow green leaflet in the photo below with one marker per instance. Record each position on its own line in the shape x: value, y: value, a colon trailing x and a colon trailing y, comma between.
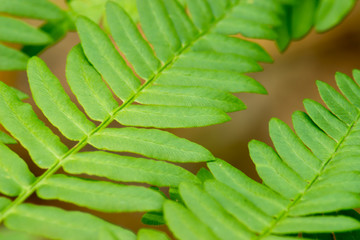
x: 6, y: 139
x: 204, y: 174
x: 292, y: 151
x: 302, y: 17
x: 322, y: 201
x: 327, y: 121
x: 353, y: 235
x: 319, y: 143
x: 184, y: 224
x: 331, y: 12
x: 13, y: 235
x: 274, y: 172
x: 130, y: 42
x: 250, y: 12
x: 16, y: 31
x: 217, y: 61
x: 102, y: 196
x: 349, y: 88
x: 158, y: 28
x: 11, y: 59
x: 95, y: 9
x: 338, y: 104
x: 234, y: 24
x: 128, y: 169
x: 261, y: 196
x: 38, y: 9
x: 20, y: 120
x: 276, y: 237
x: 200, y: 12
x: 4, y: 202
x: 14, y: 173
x: 107, y: 61
x: 84, y: 79
x: 212, y: 213
x: 317, y: 224
x: 238, y: 206
x: 40, y: 220
x: 151, y: 234
x: 51, y: 98
x: 218, y: 8
x: 153, y: 218
x: 190, y: 97
x: 222, y: 80
x: 185, y: 29
x: 56, y: 29
x: 170, y: 116
x: 224, y: 44
x: 21, y: 95
x: 155, y: 144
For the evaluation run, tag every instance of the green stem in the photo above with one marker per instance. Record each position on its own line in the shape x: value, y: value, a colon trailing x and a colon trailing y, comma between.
x: 83, y: 142
x: 285, y: 212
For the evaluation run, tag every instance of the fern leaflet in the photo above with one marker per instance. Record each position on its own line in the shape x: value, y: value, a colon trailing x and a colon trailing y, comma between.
x: 313, y: 172
x: 16, y: 31
x: 181, y: 48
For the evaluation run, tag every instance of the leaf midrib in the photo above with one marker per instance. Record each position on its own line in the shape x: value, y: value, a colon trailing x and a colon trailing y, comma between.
x: 83, y: 142
x: 285, y: 212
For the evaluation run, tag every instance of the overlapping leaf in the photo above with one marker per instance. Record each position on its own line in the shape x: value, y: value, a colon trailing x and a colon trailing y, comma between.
x: 188, y: 82
x: 303, y: 15
x: 181, y: 73
x: 311, y: 175
x: 16, y: 31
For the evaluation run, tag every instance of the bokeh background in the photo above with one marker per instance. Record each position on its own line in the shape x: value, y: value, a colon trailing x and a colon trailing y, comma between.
x: 289, y: 80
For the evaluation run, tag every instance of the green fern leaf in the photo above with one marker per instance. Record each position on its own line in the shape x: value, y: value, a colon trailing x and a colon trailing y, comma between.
x: 11, y: 59
x: 55, y: 103
x: 175, y: 61
x: 128, y: 37
x: 102, y: 196
x: 177, y: 47
x: 15, y: 175
x: 6, y: 234
x: 313, y: 172
x: 6, y: 139
x: 148, y: 234
x: 330, y: 13
x: 106, y: 59
x: 128, y: 169
x: 301, y: 16
x: 17, y: 31
x: 37, y: 9
x: 184, y: 224
x: 67, y: 225
x: 84, y: 79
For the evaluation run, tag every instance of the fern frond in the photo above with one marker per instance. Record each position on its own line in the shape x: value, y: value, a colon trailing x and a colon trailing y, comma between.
x: 175, y: 61
x: 180, y: 45
x: 17, y: 31
x: 302, y: 16
x: 148, y: 234
x: 313, y: 172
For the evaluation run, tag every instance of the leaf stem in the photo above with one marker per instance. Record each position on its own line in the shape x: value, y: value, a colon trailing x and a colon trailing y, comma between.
x: 285, y: 212
x: 83, y: 142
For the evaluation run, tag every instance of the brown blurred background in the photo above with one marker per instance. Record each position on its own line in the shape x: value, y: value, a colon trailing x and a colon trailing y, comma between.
x: 289, y: 80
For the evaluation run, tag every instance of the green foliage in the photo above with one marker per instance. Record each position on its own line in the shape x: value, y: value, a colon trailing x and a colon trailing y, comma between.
x: 56, y: 24
x: 16, y: 31
x: 313, y: 172
x: 179, y: 73
x: 303, y: 15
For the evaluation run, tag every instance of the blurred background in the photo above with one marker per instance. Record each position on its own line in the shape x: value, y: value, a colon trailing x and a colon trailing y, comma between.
x: 289, y: 80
